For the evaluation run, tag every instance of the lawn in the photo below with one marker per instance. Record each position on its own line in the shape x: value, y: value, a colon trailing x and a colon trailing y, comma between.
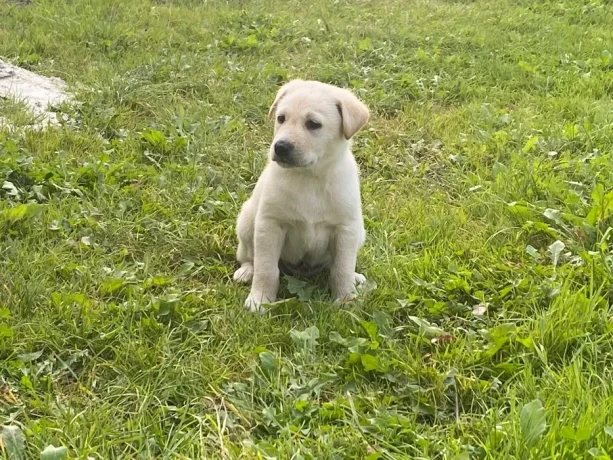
x: 485, y: 331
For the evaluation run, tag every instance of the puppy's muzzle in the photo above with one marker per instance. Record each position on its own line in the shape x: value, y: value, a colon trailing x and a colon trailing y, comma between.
x: 284, y: 153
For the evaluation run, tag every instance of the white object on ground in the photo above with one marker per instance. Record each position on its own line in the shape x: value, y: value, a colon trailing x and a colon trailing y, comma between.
x: 36, y: 91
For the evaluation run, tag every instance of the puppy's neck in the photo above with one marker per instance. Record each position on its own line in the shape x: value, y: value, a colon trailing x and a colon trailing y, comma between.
x: 336, y: 155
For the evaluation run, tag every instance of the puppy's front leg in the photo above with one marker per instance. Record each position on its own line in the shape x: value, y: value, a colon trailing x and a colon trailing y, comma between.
x: 347, y: 241
x: 268, y: 242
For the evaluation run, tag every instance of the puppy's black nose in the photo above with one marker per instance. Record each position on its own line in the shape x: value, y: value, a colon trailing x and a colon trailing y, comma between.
x: 283, y: 149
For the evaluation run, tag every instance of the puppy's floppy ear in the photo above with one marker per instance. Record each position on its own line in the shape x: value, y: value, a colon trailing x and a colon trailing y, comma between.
x: 280, y: 94
x: 353, y: 111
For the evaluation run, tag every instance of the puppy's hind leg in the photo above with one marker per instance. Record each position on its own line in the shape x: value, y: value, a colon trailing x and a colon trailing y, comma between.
x: 244, y: 254
x: 359, y: 279
x: 244, y: 274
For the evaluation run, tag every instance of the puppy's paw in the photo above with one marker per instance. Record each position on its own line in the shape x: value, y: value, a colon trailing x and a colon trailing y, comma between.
x: 244, y: 274
x: 254, y: 303
x: 345, y: 298
x: 353, y: 287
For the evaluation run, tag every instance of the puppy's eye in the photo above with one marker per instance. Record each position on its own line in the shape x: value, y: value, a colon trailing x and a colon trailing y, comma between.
x: 281, y: 119
x: 313, y: 125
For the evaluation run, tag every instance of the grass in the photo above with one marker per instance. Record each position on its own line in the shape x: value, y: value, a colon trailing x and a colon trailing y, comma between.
x: 487, y: 199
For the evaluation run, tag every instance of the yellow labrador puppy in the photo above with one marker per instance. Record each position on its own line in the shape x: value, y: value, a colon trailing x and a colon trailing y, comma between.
x: 305, y: 213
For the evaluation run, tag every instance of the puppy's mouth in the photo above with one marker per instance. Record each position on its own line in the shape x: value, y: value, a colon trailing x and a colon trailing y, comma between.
x: 285, y: 163
x: 289, y: 164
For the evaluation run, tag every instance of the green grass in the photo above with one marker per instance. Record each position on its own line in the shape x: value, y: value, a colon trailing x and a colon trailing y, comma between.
x: 487, y: 178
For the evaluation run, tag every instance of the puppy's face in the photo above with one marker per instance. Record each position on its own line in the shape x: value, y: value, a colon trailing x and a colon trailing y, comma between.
x: 313, y: 121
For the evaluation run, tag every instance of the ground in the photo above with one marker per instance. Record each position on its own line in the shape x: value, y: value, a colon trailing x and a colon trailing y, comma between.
x: 485, y: 330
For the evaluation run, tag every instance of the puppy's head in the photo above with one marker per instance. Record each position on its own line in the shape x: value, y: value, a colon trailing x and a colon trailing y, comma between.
x: 313, y: 122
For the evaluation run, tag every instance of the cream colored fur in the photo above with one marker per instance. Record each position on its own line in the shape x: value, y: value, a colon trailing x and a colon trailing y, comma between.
x: 308, y: 211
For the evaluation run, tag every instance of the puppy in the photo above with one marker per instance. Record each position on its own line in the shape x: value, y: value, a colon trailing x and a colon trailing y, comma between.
x: 305, y: 212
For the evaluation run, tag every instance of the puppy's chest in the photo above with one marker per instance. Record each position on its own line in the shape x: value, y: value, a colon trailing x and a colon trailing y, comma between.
x: 307, y: 243
x: 313, y: 202
x: 312, y: 210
